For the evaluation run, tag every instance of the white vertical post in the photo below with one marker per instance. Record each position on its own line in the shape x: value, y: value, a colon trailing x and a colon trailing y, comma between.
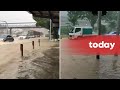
x: 118, y: 23
x: 50, y: 28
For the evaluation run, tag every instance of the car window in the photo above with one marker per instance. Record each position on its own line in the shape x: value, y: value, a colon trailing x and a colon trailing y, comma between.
x: 77, y: 29
x: 8, y: 36
x: 114, y: 32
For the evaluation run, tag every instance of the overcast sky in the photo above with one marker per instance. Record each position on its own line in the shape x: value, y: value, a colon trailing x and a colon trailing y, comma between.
x: 16, y: 16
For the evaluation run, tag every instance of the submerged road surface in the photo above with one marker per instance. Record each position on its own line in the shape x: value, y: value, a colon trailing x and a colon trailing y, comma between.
x: 88, y: 67
x: 41, y: 62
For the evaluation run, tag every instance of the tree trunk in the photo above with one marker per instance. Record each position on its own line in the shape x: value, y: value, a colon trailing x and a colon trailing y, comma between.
x: 92, y: 24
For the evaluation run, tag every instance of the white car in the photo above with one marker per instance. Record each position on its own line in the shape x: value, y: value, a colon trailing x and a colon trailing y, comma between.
x: 23, y: 37
x: 112, y: 33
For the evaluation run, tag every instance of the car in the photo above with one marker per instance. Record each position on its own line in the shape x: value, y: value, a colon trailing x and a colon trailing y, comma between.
x: 23, y: 37
x: 112, y: 33
x: 5, y: 38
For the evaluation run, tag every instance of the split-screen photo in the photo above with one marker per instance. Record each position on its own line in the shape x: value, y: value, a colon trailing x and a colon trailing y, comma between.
x: 59, y: 45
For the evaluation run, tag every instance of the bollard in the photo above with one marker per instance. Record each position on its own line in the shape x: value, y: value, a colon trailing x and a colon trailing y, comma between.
x: 97, y: 56
x: 33, y: 44
x: 39, y: 41
x: 21, y: 49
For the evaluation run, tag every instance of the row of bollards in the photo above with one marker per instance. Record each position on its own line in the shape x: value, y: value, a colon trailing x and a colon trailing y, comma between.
x: 21, y: 47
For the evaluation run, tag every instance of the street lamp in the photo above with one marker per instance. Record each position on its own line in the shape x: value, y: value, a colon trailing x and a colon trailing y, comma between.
x: 6, y: 24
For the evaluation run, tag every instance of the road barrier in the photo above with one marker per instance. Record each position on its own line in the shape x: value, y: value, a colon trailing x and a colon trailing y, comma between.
x: 33, y: 45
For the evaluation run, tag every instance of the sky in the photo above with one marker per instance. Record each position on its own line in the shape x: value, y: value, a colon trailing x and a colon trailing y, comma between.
x: 16, y: 16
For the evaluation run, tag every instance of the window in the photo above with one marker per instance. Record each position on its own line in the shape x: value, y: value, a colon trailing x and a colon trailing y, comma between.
x: 114, y: 32
x: 77, y: 29
x: 9, y: 36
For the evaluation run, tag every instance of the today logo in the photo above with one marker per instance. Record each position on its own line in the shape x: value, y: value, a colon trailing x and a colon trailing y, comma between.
x: 94, y: 45
x: 101, y: 45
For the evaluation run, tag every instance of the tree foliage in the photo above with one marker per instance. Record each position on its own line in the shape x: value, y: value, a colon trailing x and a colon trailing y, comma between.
x: 110, y: 18
x: 103, y: 29
x: 73, y: 16
x: 91, y: 18
x: 43, y: 22
x: 111, y: 15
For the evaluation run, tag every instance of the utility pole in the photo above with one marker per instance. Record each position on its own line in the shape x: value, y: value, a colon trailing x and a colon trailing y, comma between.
x: 99, y: 22
x: 118, y: 26
x: 50, y: 28
x: 118, y: 22
x: 99, y: 28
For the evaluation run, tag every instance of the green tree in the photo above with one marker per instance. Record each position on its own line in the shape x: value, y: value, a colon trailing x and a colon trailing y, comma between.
x: 103, y: 29
x: 111, y: 18
x: 111, y: 15
x: 91, y: 18
x: 43, y: 22
x: 73, y: 16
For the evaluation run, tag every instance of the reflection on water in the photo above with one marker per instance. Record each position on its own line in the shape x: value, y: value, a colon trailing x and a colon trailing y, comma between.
x: 109, y: 67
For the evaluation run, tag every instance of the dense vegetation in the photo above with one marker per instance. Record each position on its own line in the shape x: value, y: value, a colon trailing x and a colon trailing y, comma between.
x: 43, y: 22
x: 110, y: 18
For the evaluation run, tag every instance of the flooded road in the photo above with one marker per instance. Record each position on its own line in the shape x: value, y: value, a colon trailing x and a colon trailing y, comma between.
x: 109, y: 67
x: 12, y: 66
x: 88, y: 67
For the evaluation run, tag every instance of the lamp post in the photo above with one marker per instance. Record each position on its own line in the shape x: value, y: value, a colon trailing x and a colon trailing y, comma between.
x: 6, y: 24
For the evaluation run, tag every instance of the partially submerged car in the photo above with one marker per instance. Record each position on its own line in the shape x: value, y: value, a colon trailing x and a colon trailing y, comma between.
x: 5, y: 37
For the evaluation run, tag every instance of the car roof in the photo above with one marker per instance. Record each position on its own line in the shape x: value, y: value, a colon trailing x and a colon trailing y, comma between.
x: 83, y: 27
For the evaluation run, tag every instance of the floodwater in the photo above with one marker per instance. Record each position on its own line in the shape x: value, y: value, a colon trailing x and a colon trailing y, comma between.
x: 88, y: 67
x: 12, y: 66
x: 109, y: 67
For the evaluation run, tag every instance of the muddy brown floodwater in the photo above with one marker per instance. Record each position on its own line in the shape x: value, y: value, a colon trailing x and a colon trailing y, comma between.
x: 42, y: 62
x: 45, y: 67
x: 88, y: 67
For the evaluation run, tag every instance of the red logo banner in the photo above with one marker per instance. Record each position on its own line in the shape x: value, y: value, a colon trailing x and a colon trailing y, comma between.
x: 93, y: 45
